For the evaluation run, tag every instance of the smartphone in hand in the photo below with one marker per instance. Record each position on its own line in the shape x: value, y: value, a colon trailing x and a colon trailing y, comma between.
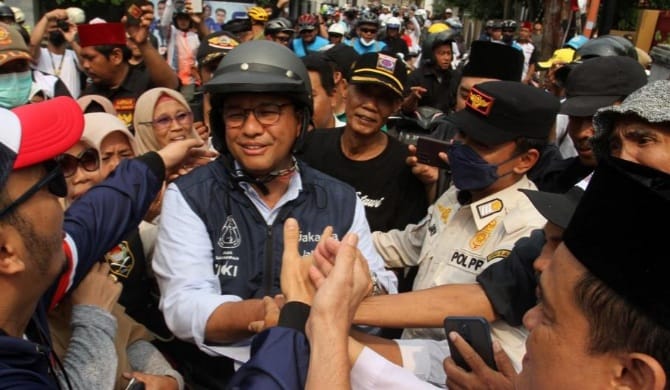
x: 477, y: 333
x: 134, y: 12
x: 196, y: 6
x: 427, y: 150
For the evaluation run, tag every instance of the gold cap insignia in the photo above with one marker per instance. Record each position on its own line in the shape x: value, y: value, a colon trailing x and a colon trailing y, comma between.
x: 479, y: 101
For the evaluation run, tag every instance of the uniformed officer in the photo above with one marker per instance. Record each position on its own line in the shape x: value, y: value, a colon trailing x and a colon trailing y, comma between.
x: 476, y: 222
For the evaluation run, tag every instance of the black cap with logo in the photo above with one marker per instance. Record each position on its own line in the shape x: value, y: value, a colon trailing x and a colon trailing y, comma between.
x: 502, y: 111
x: 382, y: 69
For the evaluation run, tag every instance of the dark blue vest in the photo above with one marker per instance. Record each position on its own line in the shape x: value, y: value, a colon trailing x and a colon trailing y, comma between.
x: 246, y: 251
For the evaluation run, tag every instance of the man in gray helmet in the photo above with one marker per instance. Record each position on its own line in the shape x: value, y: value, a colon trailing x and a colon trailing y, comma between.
x: 220, y: 243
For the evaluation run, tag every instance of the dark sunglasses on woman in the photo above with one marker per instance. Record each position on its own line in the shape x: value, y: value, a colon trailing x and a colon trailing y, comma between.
x: 88, y: 159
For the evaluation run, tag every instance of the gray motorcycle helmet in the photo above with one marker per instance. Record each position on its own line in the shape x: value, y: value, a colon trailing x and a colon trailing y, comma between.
x: 258, y: 66
x: 606, y: 46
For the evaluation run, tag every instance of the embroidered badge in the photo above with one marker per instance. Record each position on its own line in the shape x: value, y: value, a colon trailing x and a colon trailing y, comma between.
x: 480, y: 238
x: 499, y: 254
x: 467, y: 261
x: 444, y: 213
x: 5, y: 38
x: 121, y: 260
x: 223, y: 42
x: 480, y: 102
x: 489, y: 208
x: 386, y: 63
x: 124, y: 104
x: 230, y: 235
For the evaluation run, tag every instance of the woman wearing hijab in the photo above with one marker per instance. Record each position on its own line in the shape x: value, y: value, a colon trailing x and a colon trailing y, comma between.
x: 105, y: 142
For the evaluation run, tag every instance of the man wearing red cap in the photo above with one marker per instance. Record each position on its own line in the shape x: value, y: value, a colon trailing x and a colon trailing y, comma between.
x: 43, y: 254
x: 105, y: 56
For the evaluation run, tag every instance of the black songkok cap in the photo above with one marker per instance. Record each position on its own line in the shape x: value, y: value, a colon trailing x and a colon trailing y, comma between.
x: 494, y: 61
x: 616, y: 232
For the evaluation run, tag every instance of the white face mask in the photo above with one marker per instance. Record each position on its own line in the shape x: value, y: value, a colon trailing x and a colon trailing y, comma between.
x: 367, y: 43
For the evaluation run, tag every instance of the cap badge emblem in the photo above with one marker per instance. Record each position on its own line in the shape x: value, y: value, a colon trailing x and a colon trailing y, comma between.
x: 480, y: 102
x: 386, y: 63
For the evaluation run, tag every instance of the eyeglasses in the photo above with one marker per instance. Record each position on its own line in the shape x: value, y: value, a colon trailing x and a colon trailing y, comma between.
x: 163, y: 122
x: 55, y: 181
x: 368, y: 30
x: 266, y: 114
x: 88, y: 159
x: 331, y: 35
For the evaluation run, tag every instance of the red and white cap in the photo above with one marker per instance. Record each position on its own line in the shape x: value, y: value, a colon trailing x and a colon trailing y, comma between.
x: 34, y: 133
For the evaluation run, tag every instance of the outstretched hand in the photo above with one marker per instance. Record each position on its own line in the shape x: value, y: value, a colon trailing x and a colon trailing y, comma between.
x: 180, y: 154
x: 342, y: 285
x: 272, y: 307
x: 295, y: 283
x: 481, y: 376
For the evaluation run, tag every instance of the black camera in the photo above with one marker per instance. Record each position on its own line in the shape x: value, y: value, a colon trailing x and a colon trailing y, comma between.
x: 179, y: 7
x: 63, y: 25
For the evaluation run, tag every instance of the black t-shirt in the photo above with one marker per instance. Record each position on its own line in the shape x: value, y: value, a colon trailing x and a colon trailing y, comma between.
x: 395, y: 46
x: 393, y: 197
x: 140, y: 293
x: 124, y: 97
x: 438, y: 85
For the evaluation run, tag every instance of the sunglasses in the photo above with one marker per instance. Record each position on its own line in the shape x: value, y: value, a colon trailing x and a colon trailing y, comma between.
x: 88, y: 159
x: 331, y: 35
x: 54, y: 180
x: 282, y: 39
x: 369, y: 30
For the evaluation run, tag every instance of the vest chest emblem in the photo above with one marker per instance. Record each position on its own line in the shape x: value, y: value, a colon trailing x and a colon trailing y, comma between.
x: 230, y: 235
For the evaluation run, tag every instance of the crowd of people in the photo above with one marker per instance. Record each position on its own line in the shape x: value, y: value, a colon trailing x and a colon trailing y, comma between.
x: 201, y: 202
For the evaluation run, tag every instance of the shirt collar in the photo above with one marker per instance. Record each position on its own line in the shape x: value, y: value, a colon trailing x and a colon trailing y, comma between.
x: 292, y: 192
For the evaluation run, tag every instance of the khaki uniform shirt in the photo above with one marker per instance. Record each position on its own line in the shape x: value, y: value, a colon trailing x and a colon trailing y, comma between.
x: 455, y: 243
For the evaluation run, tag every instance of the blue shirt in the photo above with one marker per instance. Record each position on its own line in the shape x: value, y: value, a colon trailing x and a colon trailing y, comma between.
x: 299, y: 46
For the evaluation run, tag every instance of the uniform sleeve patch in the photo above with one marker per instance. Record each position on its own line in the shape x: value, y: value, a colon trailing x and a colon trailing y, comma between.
x: 121, y: 260
x: 498, y: 254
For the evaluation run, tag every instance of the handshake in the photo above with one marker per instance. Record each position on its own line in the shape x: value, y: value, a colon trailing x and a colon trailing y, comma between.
x: 333, y: 280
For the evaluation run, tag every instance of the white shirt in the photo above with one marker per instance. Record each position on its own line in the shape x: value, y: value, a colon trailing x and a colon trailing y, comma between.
x: 65, y: 66
x: 372, y: 371
x: 190, y: 291
x: 527, y: 49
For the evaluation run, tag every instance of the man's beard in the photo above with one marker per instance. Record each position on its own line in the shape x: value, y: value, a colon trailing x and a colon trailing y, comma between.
x: 56, y: 38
